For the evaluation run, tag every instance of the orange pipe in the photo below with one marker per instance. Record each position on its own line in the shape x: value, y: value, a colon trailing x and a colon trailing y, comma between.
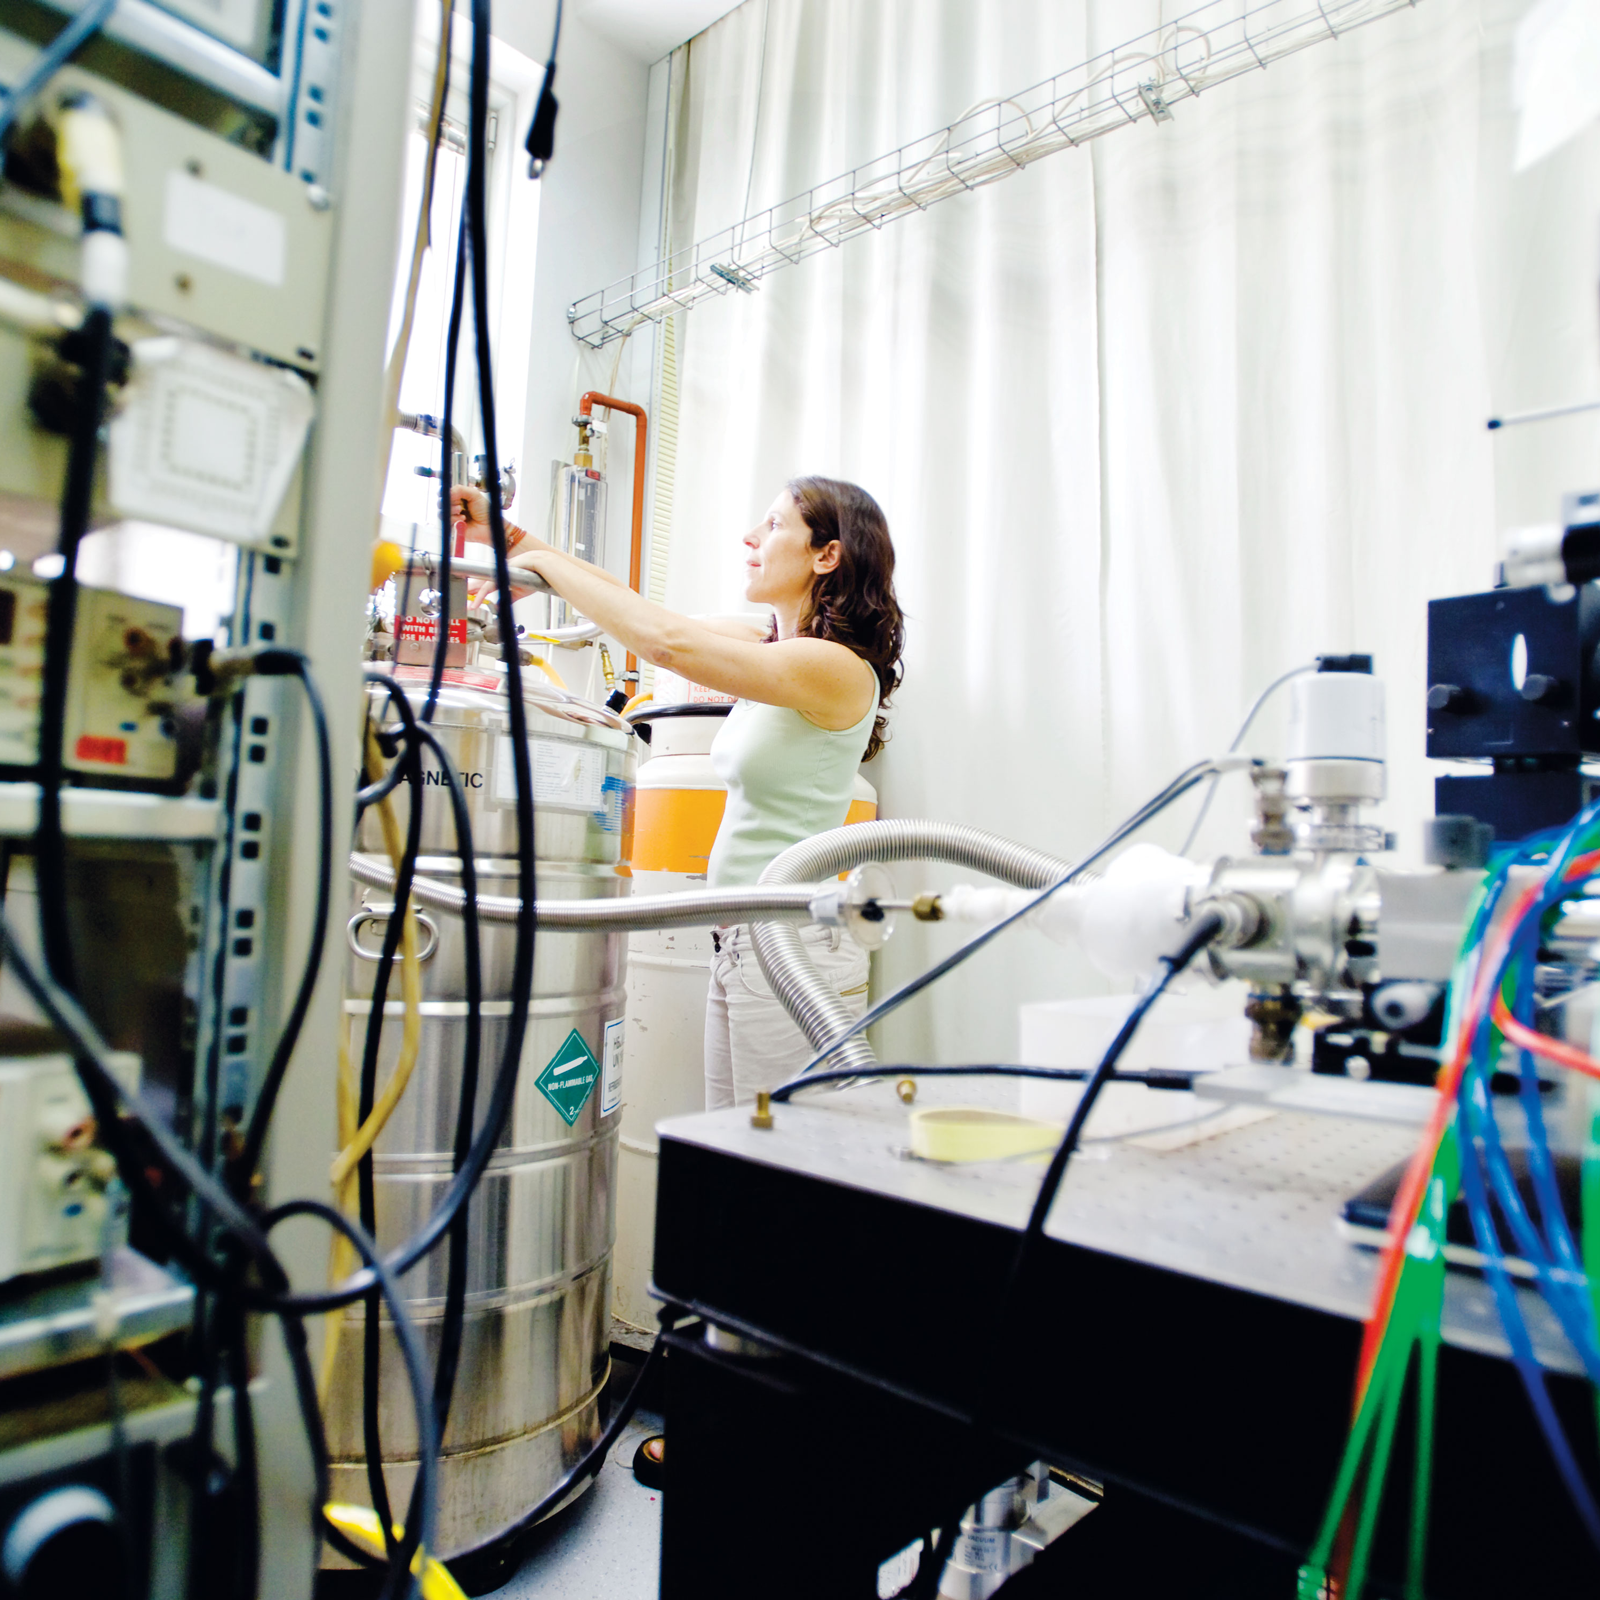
x: 641, y: 433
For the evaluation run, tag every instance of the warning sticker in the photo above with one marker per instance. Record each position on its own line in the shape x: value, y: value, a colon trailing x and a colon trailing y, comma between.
x: 566, y: 776
x: 611, y: 1081
x: 569, y: 1077
x: 418, y: 629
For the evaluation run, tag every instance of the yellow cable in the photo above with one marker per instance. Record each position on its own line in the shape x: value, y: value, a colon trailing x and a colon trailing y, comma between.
x: 549, y: 671
x: 362, y: 1525
x: 411, y: 991
x: 634, y: 704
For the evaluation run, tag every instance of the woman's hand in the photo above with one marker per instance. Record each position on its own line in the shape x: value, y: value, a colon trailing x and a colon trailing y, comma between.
x: 470, y: 508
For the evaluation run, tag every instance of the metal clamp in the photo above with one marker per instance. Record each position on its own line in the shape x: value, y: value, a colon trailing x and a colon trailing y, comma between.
x: 352, y: 932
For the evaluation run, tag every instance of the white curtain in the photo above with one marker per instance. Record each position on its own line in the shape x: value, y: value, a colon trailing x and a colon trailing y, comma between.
x: 1151, y: 422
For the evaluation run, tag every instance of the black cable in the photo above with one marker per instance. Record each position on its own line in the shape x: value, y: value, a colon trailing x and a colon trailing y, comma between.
x: 503, y: 1090
x: 55, y: 55
x: 1207, y: 926
x: 541, y: 141
x: 1151, y: 1078
x: 366, y: 1184
x: 77, y: 496
x: 447, y: 532
x: 1180, y: 785
x: 247, y: 1484
x: 594, y: 1459
x: 453, y: 1321
x: 467, y: 1098
x: 419, y: 1532
x: 267, y: 1099
x: 105, y: 1093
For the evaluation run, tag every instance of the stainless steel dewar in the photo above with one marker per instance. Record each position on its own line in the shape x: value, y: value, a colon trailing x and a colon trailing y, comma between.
x: 542, y: 1224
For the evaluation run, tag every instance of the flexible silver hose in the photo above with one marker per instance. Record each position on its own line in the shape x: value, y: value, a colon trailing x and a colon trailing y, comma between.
x: 696, y: 908
x: 806, y: 995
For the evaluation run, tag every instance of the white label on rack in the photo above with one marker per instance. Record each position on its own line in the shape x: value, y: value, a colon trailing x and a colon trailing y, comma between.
x: 611, y: 1069
x: 225, y: 229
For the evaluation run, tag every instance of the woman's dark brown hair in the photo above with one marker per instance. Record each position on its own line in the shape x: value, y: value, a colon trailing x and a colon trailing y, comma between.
x: 854, y: 605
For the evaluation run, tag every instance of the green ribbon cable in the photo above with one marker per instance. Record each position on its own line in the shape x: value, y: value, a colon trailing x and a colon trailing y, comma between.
x: 1431, y: 1274
x: 1414, y: 1321
x: 1591, y: 1223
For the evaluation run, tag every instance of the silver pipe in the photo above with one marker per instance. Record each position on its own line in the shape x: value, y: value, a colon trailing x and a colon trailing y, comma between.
x: 431, y: 428
x: 806, y: 995
x: 697, y: 908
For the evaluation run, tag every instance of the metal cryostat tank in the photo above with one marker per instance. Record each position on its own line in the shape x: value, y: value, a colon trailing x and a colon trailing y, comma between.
x: 536, y: 1345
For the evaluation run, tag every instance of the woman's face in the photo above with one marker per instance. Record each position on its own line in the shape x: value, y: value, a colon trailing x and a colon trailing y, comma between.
x: 779, y: 563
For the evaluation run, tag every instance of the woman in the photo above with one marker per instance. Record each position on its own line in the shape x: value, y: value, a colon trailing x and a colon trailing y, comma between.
x: 811, y: 681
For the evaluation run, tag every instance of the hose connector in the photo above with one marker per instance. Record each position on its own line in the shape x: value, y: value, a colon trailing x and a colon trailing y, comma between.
x: 856, y: 905
x: 1239, y: 915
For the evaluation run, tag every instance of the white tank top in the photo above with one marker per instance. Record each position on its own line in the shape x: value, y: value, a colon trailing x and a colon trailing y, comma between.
x: 787, y: 780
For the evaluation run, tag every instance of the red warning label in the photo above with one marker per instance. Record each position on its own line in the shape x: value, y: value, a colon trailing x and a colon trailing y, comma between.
x: 428, y: 628
x: 92, y: 747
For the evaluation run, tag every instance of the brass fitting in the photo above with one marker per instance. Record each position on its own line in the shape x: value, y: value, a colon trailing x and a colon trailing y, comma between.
x: 906, y: 1088
x: 761, y: 1117
x: 926, y: 908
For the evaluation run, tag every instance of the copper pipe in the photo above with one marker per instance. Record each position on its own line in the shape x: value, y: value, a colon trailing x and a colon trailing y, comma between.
x: 641, y: 432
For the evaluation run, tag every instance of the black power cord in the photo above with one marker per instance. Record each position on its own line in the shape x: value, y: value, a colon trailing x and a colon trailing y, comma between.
x: 94, y: 345
x: 447, y: 531
x: 107, y: 1096
x: 1151, y: 1078
x: 291, y: 663
x: 541, y: 141
x: 595, y: 1458
x: 1207, y: 925
x: 419, y: 1531
x: 503, y: 1089
x: 452, y: 1323
x: 410, y: 759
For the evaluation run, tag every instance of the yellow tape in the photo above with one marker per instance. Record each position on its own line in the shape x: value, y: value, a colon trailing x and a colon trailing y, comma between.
x: 972, y: 1133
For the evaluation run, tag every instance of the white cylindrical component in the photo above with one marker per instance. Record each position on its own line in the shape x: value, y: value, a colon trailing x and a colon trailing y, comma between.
x: 103, y: 269
x: 678, y: 805
x: 1336, y: 739
x: 1533, y: 555
x: 1125, y: 921
x: 1336, y: 716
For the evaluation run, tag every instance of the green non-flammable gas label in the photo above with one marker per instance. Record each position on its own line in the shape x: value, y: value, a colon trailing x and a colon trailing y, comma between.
x: 569, y: 1077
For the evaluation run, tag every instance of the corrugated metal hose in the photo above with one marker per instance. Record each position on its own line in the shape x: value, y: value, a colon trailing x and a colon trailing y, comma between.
x: 806, y: 995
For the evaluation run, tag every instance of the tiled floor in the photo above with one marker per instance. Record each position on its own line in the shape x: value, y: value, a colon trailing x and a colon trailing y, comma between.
x: 606, y: 1546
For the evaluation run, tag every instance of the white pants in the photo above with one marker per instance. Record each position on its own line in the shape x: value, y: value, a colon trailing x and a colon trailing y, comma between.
x: 751, y: 1042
